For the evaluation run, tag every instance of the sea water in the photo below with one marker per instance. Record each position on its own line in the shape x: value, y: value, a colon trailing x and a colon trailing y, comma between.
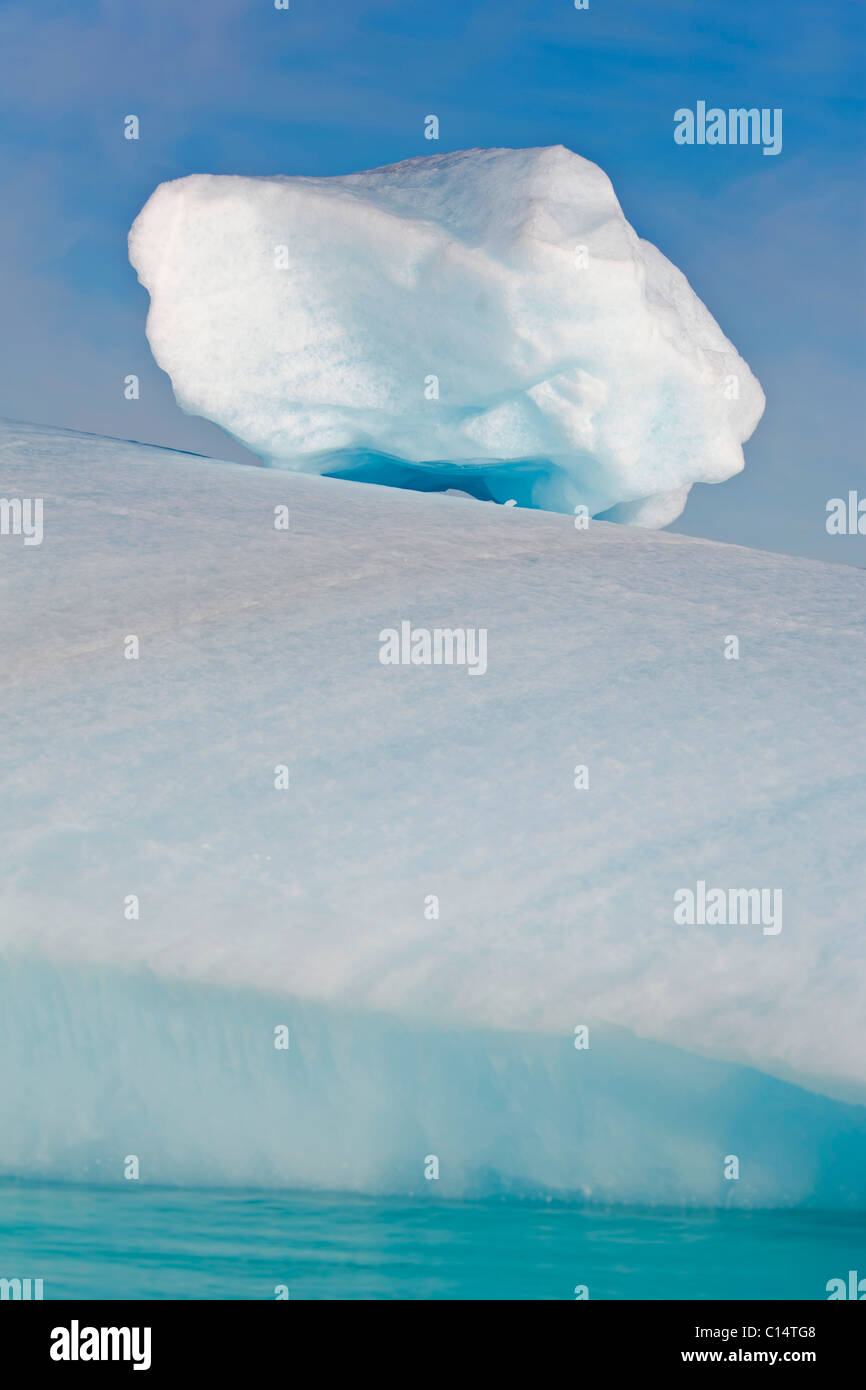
x: 140, y: 1242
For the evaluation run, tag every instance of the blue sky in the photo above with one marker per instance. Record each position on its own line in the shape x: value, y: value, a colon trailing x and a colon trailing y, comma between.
x: 773, y: 245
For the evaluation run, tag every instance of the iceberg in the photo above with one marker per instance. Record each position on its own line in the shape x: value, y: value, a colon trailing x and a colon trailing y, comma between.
x: 458, y: 897
x: 486, y: 321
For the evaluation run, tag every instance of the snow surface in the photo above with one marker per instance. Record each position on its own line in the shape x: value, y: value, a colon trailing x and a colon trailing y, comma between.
x: 573, y: 363
x: 305, y: 907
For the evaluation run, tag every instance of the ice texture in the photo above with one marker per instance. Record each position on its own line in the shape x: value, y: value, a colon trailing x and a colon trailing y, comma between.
x: 305, y: 907
x: 485, y: 320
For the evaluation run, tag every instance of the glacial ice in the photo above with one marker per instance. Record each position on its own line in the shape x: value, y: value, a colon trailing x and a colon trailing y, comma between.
x: 486, y: 320
x: 259, y: 907
x: 106, y: 1062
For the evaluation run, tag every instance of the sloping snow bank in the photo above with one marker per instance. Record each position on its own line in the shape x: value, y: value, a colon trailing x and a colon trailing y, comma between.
x: 258, y: 649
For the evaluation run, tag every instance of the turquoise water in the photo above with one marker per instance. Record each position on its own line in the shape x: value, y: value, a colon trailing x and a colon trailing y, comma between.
x: 152, y: 1243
